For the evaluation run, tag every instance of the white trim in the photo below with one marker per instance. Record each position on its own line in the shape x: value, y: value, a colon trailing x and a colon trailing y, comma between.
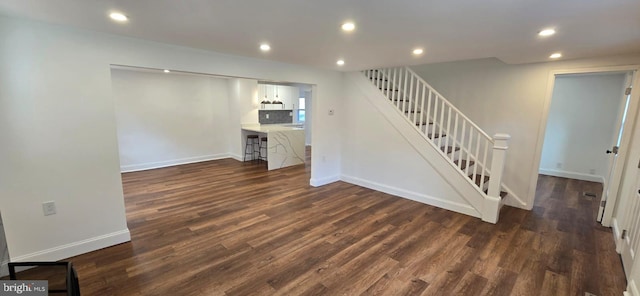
x: 615, y: 228
x: 415, y: 196
x: 235, y: 156
x: 77, y: 248
x: 537, y: 157
x: 513, y: 200
x: 632, y: 289
x: 173, y: 162
x: 572, y: 175
x: 545, y: 116
x: 626, y: 145
x: 316, y: 182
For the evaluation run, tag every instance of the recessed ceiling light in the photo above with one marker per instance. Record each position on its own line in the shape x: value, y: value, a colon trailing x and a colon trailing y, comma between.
x: 265, y: 47
x: 348, y: 26
x: 556, y: 55
x: 166, y: 71
x: 118, y: 17
x: 340, y: 62
x: 546, y: 32
x: 418, y: 51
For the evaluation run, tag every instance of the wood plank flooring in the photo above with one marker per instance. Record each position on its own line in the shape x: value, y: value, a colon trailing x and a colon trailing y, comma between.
x: 227, y: 228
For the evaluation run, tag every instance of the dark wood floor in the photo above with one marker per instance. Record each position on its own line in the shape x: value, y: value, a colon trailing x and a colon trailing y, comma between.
x: 227, y: 228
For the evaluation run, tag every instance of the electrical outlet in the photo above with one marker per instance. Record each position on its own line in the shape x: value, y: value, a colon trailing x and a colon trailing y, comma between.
x: 267, y: 115
x: 49, y: 208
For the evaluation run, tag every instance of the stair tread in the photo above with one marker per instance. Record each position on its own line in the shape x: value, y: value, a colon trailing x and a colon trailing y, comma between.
x: 479, y: 182
x: 413, y: 111
x: 388, y: 89
x: 463, y: 165
x: 435, y: 136
x: 449, y: 149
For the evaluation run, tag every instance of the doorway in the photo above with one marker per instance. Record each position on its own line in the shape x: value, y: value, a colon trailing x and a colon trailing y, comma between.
x: 169, y: 117
x: 587, y: 115
x: 581, y: 124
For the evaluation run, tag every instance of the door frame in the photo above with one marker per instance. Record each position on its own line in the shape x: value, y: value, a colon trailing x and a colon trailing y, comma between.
x: 626, y: 135
x: 615, y: 171
x: 623, y: 245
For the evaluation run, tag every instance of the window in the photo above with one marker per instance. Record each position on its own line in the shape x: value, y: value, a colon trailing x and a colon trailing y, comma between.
x: 301, y: 113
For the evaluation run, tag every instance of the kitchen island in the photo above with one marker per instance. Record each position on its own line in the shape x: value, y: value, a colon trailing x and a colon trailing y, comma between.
x: 285, y: 143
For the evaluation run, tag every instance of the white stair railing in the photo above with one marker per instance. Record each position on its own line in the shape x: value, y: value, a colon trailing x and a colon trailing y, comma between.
x: 467, y: 147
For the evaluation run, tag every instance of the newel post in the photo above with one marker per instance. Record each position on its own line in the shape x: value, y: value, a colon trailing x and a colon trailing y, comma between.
x: 500, y: 146
x: 492, y: 202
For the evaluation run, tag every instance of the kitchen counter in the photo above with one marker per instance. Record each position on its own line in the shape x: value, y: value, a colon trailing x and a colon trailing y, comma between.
x: 285, y: 143
x: 265, y: 128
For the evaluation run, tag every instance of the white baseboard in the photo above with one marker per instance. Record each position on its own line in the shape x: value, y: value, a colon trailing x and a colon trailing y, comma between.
x: 77, y: 248
x: 514, y: 200
x: 415, y: 196
x: 615, y: 229
x: 235, y: 156
x: 572, y: 175
x: 323, y: 181
x: 173, y: 162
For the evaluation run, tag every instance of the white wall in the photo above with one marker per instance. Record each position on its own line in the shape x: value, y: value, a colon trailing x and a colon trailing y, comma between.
x: 58, y: 129
x: 166, y: 119
x: 243, y: 109
x: 308, y: 117
x: 59, y: 143
x: 508, y: 99
x: 581, y: 125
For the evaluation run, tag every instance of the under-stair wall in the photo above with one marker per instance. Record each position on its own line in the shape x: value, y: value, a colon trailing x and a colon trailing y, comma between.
x: 462, y: 154
x: 376, y: 155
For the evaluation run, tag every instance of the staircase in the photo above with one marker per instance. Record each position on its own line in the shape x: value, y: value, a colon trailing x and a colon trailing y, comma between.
x: 477, y: 157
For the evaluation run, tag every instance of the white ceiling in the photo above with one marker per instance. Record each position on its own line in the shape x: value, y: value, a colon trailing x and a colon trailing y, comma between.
x: 308, y: 31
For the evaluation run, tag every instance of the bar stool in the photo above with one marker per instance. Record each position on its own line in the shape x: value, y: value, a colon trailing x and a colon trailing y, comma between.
x: 263, y: 147
x: 249, y: 148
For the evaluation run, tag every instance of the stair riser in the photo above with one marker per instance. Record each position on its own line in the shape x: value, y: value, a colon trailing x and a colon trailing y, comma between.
x: 461, y: 155
x: 433, y: 129
x: 485, y: 185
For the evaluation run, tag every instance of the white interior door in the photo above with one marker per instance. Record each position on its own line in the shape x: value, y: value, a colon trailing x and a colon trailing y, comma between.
x: 630, y: 228
x: 613, y: 178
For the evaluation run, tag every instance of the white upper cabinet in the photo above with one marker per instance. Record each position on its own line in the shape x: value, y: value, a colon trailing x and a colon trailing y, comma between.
x: 288, y: 95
